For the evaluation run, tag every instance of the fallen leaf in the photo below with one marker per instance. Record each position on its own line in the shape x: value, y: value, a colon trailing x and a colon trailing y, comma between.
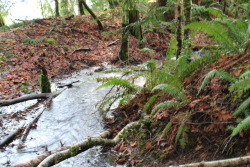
x: 149, y: 145
x: 198, y: 147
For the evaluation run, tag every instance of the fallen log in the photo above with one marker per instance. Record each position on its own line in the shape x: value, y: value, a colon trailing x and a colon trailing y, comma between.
x: 240, y: 161
x: 51, y: 157
x: 29, y: 97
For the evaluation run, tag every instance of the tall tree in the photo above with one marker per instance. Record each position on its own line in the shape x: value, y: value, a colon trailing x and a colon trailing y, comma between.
x: 57, y: 7
x: 80, y: 7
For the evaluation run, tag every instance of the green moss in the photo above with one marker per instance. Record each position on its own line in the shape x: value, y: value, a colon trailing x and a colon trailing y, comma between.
x: 44, y: 82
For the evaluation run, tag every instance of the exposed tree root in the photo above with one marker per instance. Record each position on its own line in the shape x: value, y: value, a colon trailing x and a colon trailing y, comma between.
x: 52, y: 157
x: 240, y: 161
x: 10, y: 137
x: 29, y: 97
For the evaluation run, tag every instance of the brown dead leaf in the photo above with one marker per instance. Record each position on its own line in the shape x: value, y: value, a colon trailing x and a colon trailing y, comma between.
x: 149, y: 145
x: 198, y: 147
x: 134, y: 144
x: 203, y: 155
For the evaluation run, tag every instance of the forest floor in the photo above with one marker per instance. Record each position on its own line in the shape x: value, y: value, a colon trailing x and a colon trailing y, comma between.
x: 63, y: 46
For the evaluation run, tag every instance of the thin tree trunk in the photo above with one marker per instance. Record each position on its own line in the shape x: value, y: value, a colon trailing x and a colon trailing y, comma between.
x: 179, y: 33
x: 187, y: 13
x: 80, y: 7
x: 2, y: 23
x: 57, y: 8
x: 100, y: 27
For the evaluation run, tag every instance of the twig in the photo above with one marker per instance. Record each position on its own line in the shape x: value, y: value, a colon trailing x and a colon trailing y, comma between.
x: 68, y: 85
x: 81, y: 49
x: 114, y: 42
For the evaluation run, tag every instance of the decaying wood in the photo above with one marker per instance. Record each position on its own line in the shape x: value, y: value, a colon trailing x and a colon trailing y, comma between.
x: 240, y: 161
x: 68, y: 84
x: 81, y: 49
x: 49, y: 158
x: 10, y: 137
x: 29, y: 97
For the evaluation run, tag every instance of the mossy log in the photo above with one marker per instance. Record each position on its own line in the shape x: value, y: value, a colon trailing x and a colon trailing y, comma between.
x: 29, y: 97
x: 52, y: 157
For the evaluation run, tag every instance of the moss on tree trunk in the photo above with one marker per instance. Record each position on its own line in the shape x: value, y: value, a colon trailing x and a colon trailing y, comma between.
x: 44, y: 82
x: 123, y: 54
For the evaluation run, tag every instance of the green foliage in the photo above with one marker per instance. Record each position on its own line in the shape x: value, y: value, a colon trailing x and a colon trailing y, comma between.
x: 244, y: 125
x: 166, y: 129
x: 51, y: 41
x: 243, y: 107
x: 232, y: 34
x: 186, y: 71
x: 172, y: 90
x: 172, y: 48
x: 166, y: 104
x: 151, y: 100
x: 124, y: 95
x: 213, y: 73
x: 239, y: 88
x: 33, y: 41
x: 114, y: 81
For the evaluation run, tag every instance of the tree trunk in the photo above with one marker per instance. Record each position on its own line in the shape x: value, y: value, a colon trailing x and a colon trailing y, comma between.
x: 100, y: 27
x: 80, y: 7
x: 179, y: 33
x: 187, y: 13
x: 167, y: 15
x: 57, y: 8
x: 113, y: 4
x: 123, y: 54
x: 2, y: 23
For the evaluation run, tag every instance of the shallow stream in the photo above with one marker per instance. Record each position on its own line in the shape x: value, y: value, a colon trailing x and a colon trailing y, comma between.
x: 71, y: 117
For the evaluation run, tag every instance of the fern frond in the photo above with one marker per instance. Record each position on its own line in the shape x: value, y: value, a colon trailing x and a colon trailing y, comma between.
x: 240, y: 85
x: 245, y: 75
x: 243, y: 107
x: 172, y: 90
x: 166, y: 129
x: 213, y: 73
x: 179, y: 132
x: 151, y: 100
x: 114, y: 81
x: 166, y: 104
x: 197, y: 65
x: 243, y: 125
